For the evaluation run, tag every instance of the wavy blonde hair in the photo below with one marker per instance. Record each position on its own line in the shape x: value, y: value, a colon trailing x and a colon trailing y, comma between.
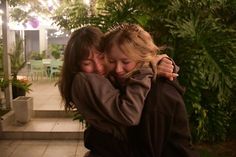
x: 132, y: 40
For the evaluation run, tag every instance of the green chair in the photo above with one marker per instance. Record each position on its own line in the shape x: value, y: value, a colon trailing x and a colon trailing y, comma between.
x: 55, y: 68
x: 37, y: 69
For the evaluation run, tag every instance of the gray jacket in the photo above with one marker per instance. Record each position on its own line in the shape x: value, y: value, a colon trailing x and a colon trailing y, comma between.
x: 91, y: 91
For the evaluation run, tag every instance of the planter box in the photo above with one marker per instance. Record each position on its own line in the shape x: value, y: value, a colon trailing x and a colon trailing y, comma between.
x: 23, y: 108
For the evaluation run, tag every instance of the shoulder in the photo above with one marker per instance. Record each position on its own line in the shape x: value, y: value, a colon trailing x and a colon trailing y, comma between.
x: 80, y: 76
x: 91, y: 81
x: 168, y: 91
x: 168, y: 86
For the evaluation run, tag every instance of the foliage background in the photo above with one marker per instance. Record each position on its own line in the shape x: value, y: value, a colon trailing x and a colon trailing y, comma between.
x: 200, y: 35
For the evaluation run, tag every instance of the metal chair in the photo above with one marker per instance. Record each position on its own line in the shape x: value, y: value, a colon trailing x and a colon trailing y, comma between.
x: 55, y: 68
x: 37, y: 69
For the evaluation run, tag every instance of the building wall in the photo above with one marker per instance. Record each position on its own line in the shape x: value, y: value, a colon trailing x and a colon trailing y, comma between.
x: 31, y: 41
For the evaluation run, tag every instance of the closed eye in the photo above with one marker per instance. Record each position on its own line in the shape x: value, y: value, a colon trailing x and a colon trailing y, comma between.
x: 126, y: 61
x: 111, y: 61
x: 86, y: 63
x: 101, y: 56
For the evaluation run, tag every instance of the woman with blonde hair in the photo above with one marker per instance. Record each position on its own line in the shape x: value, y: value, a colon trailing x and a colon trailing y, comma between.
x: 163, y: 130
x: 107, y: 111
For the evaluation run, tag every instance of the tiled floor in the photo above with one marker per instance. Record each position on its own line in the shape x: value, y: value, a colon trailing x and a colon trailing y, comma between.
x: 45, y: 97
x: 42, y: 148
x: 48, y: 125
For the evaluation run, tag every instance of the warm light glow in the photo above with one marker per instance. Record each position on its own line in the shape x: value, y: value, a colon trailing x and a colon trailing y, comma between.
x: 87, y: 2
x: 16, y: 26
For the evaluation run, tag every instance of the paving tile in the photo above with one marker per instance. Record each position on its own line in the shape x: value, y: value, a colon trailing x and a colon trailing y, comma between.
x: 11, y: 135
x: 61, y: 149
x: 66, y: 124
x: 7, y: 147
x: 41, y: 124
x: 36, y: 135
x: 67, y: 135
x: 15, y: 127
x: 63, y: 142
x: 29, y: 150
x: 35, y: 142
x: 10, y: 142
x: 46, y: 95
x: 81, y: 150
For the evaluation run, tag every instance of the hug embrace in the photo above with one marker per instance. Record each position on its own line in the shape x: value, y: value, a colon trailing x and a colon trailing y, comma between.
x: 127, y: 93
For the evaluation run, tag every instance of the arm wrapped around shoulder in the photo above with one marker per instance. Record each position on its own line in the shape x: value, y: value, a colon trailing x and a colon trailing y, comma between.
x: 95, y: 92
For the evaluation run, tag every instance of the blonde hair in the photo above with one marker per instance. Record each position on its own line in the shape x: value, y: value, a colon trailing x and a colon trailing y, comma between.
x: 132, y: 40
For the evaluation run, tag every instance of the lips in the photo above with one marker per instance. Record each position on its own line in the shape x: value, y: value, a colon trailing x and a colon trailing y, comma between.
x: 103, y: 73
x: 100, y: 71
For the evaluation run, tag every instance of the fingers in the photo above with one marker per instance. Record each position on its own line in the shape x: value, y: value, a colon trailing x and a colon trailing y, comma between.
x: 168, y: 75
x: 166, y: 61
x: 165, y: 69
x: 166, y: 66
x: 158, y: 58
x: 172, y: 76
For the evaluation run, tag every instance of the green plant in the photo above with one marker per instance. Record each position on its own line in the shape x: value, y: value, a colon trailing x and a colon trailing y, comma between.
x: 75, y: 11
x: 35, y: 55
x: 55, y: 50
x: 200, y: 36
x: 199, y: 120
x: 4, y: 83
x: 16, y: 56
x: 203, y: 44
x: 23, y: 84
x: 78, y: 116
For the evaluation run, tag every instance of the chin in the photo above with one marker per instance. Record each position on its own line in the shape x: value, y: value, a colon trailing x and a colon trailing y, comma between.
x: 121, y: 79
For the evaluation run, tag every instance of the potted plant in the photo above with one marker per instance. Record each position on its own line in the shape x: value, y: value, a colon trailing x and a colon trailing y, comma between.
x: 17, y: 57
x: 20, y: 87
x: 23, y: 109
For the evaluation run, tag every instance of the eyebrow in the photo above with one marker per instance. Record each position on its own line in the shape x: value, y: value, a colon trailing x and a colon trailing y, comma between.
x: 87, y: 60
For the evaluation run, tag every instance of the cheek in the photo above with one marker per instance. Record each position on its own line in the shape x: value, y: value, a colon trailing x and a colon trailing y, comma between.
x: 129, y: 67
x: 87, y: 69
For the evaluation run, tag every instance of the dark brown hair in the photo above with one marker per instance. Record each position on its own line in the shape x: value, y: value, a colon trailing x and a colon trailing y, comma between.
x: 78, y: 48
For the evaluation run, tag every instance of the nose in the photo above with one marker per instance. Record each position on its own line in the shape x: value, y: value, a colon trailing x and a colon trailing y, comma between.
x: 99, y: 68
x: 118, y: 69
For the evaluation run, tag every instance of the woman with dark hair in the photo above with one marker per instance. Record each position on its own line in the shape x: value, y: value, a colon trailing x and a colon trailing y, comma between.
x: 108, y: 116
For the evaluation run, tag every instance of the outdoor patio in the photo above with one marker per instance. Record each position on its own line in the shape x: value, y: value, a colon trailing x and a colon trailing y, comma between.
x: 42, y: 148
x: 51, y: 132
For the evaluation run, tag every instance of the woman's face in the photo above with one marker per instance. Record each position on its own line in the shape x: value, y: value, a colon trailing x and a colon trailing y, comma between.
x: 119, y: 63
x: 95, y: 63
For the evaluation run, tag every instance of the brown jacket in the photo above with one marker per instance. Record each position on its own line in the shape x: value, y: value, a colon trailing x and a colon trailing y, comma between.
x: 104, y: 107
x: 163, y: 130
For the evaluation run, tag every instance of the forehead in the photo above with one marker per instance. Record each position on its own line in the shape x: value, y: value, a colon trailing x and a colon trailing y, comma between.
x: 117, y: 53
x: 94, y: 53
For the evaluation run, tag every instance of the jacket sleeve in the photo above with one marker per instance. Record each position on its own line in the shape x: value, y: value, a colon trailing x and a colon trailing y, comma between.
x: 97, y: 93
